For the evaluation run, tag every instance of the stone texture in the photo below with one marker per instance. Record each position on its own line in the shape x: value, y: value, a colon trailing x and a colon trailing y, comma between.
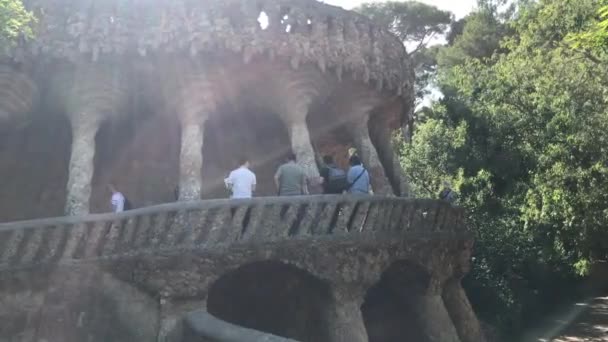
x: 191, y: 162
x: 167, y: 260
x: 300, y: 144
x: 19, y: 94
x: 194, y: 81
x: 201, y: 326
x: 462, y: 313
x: 369, y: 157
x: 344, y: 317
x: 81, y: 166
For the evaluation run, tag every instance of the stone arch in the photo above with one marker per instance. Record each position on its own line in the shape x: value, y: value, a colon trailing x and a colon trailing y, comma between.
x: 342, y: 123
x: 388, y: 312
x: 34, y: 154
x: 232, y: 133
x: 272, y: 297
x: 139, y: 153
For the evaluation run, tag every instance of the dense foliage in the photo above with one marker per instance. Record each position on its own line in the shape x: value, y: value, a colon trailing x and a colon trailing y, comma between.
x: 416, y: 24
x: 522, y: 135
x: 15, y: 21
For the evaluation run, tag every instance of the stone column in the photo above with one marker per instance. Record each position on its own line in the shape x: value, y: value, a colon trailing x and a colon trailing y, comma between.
x: 301, y: 145
x: 435, y: 321
x: 344, y: 317
x: 81, y: 168
x: 386, y: 144
x: 191, y: 159
x: 404, y: 185
x: 369, y: 155
x: 462, y: 313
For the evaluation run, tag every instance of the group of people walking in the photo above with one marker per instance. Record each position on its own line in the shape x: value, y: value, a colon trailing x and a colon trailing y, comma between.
x: 291, y: 178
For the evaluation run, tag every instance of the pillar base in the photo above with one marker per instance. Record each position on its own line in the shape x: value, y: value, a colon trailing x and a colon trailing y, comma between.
x: 345, y: 320
x: 462, y: 313
x: 436, y: 322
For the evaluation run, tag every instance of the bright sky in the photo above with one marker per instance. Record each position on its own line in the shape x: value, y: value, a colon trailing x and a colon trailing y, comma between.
x: 460, y: 8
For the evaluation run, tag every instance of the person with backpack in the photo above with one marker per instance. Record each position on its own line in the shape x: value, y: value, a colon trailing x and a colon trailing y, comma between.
x: 447, y: 194
x: 357, y: 177
x: 118, y: 201
x: 334, y: 178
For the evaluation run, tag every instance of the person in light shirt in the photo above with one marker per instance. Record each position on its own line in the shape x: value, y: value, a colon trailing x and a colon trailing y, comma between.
x: 241, y: 181
x: 118, y: 200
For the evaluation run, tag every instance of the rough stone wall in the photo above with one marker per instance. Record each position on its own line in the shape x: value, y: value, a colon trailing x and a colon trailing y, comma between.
x: 200, y: 61
x: 73, y: 304
x: 313, y: 33
x: 167, y: 261
x: 34, y: 168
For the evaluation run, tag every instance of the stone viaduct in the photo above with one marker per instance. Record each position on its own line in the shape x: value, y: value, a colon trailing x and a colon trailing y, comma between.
x: 160, y: 98
x: 314, y: 268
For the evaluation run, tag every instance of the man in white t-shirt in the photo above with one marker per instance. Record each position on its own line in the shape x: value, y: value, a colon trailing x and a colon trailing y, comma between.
x: 241, y: 181
x: 118, y: 200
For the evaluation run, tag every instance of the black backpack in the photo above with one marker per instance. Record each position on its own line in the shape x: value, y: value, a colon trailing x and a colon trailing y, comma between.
x: 336, y: 180
x: 128, y: 205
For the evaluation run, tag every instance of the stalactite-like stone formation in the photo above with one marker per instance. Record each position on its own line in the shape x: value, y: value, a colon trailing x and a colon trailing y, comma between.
x: 302, y: 31
x: 17, y: 91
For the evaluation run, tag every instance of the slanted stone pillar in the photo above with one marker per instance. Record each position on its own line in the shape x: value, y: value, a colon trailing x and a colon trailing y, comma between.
x: 385, y: 145
x: 81, y: 168
x: 421, y: 292
x: 343, y: 315
x: 369, y: 155
x: 435, y: 321
x: 191, y: 158
x: 461, y: 312
x: 300, y: 143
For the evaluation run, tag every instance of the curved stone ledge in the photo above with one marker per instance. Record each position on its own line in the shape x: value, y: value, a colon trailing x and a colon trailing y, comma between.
x: 203, y: 325
x: 302, y: 31
x: 219, y: 224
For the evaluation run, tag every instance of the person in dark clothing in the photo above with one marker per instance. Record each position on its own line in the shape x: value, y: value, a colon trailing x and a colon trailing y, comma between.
x: 334, y: 178
x: 447, y: 194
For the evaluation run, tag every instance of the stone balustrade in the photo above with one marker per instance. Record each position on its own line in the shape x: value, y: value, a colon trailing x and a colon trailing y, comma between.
x: 302, y: 31
x: 217, y: 224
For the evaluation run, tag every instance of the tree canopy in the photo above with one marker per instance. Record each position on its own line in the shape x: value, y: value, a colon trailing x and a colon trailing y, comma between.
x: 15, y: 21
x: 416, y: 24
x: 522, y: 135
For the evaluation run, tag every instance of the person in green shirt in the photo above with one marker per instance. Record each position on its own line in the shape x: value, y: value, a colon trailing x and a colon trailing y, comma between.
x: 290, y: 178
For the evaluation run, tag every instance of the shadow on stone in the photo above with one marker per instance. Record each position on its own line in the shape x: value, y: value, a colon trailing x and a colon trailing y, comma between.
x: 272, y: 297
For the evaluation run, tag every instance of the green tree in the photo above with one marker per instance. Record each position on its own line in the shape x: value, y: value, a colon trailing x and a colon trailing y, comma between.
x: 596, y: 36
x: 15, y: 21
x: 416, y: 24
x: 521, y: 133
